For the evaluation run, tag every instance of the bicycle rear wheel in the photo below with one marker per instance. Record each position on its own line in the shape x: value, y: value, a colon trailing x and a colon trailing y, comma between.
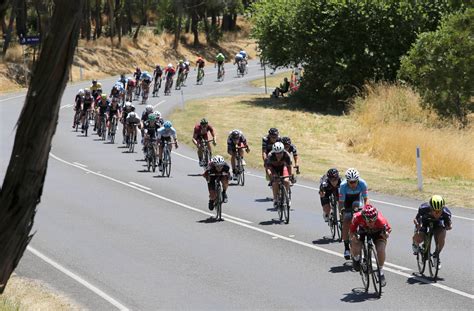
x: 364, y: 267
x: 241, y: 180
x: 167, y: 163
x: 375, y: 272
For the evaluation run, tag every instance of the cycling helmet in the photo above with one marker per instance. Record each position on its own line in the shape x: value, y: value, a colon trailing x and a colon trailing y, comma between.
x: 157, y: 66
x: 273, y: 131
x: 352, y: 174
x: 137, y: 69
x: 286, y: 140
x: 87, y: 92
x: 80, y: 92
x: 170, y: 65
x: 218, y: 160
x: 131, y: 115
x: 278, y: 147
x: 235, y: 133
x: 157, y: 114
x: 149, y: 108
x: 332, y: 173
x: 94, y: 81
x: 122, y: 76
x: 204, y: 121
x: 151, y: 117
x: 128, y: 104
x: 168, y: 124
x: 437, y: 203
x: 103, y: 96
x: 180, y: 61
x: 369, y: 212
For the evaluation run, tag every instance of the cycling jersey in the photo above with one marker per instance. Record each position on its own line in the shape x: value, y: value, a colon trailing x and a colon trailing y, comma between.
x: 137, y: 75
x: 201, y: 133
x: 164, y: 132
x: 157, y: 72
x: 267, y: 145
x: 131, y: 83
x: 78, y: 101
x: 211, y: 169
x: 273, y: 162
x: 359, y: 224
x: 152, y: 128
x: 103, y: 104
x: 292, y: 150
x: 424, y: 216
x: 123, y: 81
x: 244, y: 54
x: 145, y: 115
x: 181, y: 68
x: 326, y: 186
x: 347, y: 195
x: 96, y: 87
x: 169, y: 72
x: 238, y: 58
x: 132, y: 120
x: 113, y: 109
x: 220, y: 57
x: 87, y: 103
x: 145, y: 76
x: 241, y: 142
x: 200, y: 63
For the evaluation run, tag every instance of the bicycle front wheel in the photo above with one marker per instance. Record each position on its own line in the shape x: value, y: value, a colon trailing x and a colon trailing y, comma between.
x: 375, y: 272
x: 167, y: 164
x: 218, y: 203
x: 242, y: 177
x: 364, y: 268
x: 286, y: 206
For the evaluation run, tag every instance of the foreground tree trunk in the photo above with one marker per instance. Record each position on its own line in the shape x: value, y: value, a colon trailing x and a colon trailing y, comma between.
x: 24, y: 179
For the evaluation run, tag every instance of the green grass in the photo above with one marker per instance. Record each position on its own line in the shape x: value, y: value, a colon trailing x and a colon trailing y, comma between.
x: 7, y: 305
x: 322, y: 142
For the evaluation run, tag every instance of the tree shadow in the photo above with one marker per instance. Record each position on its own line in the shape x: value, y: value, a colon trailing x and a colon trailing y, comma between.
x: 287, y: 103
x: 344, y: 268
x: 359, y: 294
x: 209, y: 220
x: 271, y: 222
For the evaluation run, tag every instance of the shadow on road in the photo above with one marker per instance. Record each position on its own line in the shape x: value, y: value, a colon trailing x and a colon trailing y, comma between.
x: 263, y: 200
x: 358, y: 294
x: 344, y: 268
x: 323, y: 241
x: 422, y: 279
x: 271, y: 222
x: 195, y: 175
x: 209, y: 220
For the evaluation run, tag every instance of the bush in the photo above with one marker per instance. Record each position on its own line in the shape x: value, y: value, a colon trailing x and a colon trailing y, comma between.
x: 342, y: 44
x: 441, y: 67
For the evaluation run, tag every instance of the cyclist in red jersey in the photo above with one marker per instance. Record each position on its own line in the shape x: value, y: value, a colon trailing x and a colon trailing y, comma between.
x: 201, y: 131
x: 370, y: 222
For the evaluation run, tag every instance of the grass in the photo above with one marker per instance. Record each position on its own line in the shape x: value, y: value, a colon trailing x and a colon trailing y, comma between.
x: 272, y: 80
x: 25, y: 294
x: 322, y: 142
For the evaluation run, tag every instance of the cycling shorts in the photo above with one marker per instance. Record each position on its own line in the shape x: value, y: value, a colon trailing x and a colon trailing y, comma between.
x: 436, y: 226
x: 280, y: 170
x: 163, y: 139
x: 212, y: 181
x: 325, y: 199
x: 375, y: 236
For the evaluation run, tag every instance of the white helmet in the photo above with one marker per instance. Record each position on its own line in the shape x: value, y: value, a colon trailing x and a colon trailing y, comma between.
x: 186, y: 62
x: 80, y: 92
x: 149, y: 108
x: 157, y: 114
x: 170, y: 65
x: 352, y: 174
x: 278, y: 147
x: 218, y: 160
x: 238, y: 55
x: 131, y: 115
x: 128, y: 104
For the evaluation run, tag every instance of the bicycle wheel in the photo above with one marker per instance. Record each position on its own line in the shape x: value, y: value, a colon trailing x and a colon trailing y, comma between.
x: 332, y: 225
x: 375, y: 272
x: 364, y: 267
x: 286, y: 206
x: 148, y: 160
x: 153, y: 159
x: 218, y: 202
x: 242, y: 176
x: 167, y: 165
x: 280, y: 203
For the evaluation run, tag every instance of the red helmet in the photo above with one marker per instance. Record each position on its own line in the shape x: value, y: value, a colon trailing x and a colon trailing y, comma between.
x: 369, y: 212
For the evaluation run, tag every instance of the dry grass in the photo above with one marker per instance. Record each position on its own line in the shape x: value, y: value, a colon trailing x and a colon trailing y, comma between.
x: 272, y: 80
x: 14, y: 54
x: 321, y: 142
x: 25, y: 294
x: 393, y: 124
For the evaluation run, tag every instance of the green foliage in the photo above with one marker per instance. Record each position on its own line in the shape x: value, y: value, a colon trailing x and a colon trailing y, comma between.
x: 342, y: 44
x: 441, y: 66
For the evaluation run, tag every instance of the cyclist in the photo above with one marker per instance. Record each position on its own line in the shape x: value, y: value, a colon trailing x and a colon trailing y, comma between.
x: 291, y: 149
x: 117, y: 90
x: 164, y: 134
x: 200, y: 63
x: 278, y: 163
x: 200, y: 133
x: 150, y: 129
x: 159, y: 119
x: 217, y: 166
x: 78, y: 105
x: 238, y: 59
x: 126, y: 110
x: 95, y: 87
x: 102, y: 105
x: 329, y: 184
x: 145, y: 84
x: 87, y: 105
x: 436, y: 212
x: 236, y: 139
x: 113, y: 111
x: 369, y: 222
x: 157, y: 73
x: 186, y: 70
x: 267, y: 143
x: 137, y: 75
x: 169, y: 73
x: 148, y: 110
x: 220, y: 58
x: 351, y: 191
x: 130, y: 88
x: 132, y: 121
x: 123, y: 80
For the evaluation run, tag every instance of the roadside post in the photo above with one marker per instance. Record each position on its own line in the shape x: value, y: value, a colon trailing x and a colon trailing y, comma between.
x: 265, y: 76
x: 418, y: 169
x: 28, y: 40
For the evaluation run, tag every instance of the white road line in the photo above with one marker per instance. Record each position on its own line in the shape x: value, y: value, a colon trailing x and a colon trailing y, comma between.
x: 183, y: 156
x: 6, y: 99
x: 66, y: 106
x: 161, y: 102
x: 138, y: 185
x: 397, y: 267
x: 248, y: 226
x: 237, y: 218
x: 80, y: 164
x: 78, y: 279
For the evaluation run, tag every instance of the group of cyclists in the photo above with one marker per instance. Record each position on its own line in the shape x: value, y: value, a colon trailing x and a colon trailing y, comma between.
x: 359, y: 217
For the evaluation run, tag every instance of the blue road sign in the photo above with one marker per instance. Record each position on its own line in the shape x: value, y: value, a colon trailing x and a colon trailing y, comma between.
x: 30, y: 40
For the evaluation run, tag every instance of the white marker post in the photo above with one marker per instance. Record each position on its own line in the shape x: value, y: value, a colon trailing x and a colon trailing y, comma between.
x: 418, y: 169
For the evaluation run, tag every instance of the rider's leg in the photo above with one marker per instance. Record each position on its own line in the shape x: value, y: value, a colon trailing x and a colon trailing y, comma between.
x: 440, y: 238
x: 275, y: 191
x: 380, y: 245
x: 160, y: 154
x: 232, y: 160
x: 356, y: 245
x: 326, y: 210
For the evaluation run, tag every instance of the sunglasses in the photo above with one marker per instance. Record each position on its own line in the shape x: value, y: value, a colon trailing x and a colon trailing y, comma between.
x: 370, y: 219
x: 352, y: 181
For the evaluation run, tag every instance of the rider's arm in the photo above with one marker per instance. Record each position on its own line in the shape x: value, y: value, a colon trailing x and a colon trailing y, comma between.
x: 195, y: 136
x: 364, y: 191
x: 342, y: 195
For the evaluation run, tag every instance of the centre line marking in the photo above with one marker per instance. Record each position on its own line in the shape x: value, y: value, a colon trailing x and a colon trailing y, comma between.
x: 138, y: 185
x: 161, y: 102
x: 80, y: 164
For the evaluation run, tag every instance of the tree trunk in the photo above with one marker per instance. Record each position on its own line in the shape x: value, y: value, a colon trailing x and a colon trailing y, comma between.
x: 3, y: 11
x: 8, y: 34
x: 98, y: 20
x: 177, y: 32
x: 129, y: 17
x: 87, y: 20
x: 21, y: 18
x: 23, y: 184
x: 226, y: 22
x: 206, y: 28
x: 194, y: 27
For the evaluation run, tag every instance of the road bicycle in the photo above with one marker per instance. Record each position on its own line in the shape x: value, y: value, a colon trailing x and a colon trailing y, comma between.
x: 146, y: 90
x: 150, y: 154
x: 77, y: 119
x: 156, y: 86
x: 334, y: 222
x: 131, y: 137
x: 138, y: 89
x: 87, y: 118
x: 130, y: 91
x: 240, y: 69
x: 284, y: 201
x: 239, y: 167
x: 168, y: 86
x: 179, y: 81
x: 220, y: 73
x: 166, y: 161
x: 219, y: 198
x: 206, y: 152
x: 425, y: 256
x: 200, y: 76
x: 113, y: 129
x: 103, y: 126
x: 369, y: 265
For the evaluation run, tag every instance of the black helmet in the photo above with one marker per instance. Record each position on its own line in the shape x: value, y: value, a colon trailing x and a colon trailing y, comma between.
x: 273, y: 131
x: 204, y: 121
x: 235, y: 133
x: 94, y: 81
x: 286, y: 140
x: 332, y: 173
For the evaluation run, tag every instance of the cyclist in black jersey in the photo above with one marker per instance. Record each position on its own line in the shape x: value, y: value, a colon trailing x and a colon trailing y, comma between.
x: 329, y: 184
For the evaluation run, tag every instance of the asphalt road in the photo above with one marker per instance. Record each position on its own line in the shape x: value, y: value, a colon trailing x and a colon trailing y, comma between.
x: 110, y: 235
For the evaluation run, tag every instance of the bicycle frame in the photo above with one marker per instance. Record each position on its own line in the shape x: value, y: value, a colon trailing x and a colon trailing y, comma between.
x: 166, y: 161
x: 219, y: 199
x: 368, y: 260
x: 426, y: 256
x: 335, y: 224
x: 283, y: 200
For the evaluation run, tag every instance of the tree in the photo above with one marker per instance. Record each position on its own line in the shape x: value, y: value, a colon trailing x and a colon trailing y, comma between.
x: 441, y: 67
x: 24, y: 179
